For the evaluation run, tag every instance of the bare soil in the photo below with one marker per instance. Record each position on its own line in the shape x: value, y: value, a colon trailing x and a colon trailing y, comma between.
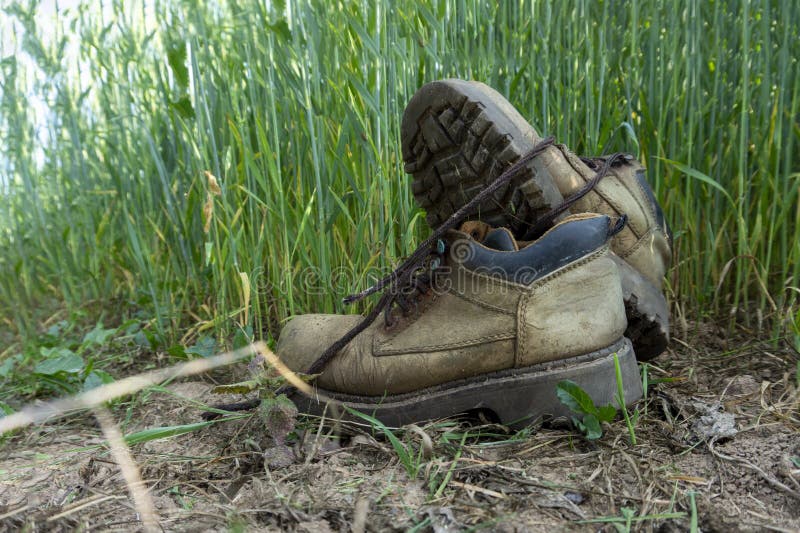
x: 685, y: 467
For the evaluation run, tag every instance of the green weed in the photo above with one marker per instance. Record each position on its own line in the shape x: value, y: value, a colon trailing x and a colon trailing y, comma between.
x: 61, y: 361
x: 437, y: 484
x: 589, y: 416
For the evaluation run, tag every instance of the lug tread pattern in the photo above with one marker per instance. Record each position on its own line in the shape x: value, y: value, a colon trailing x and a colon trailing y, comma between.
x: 455, y: 153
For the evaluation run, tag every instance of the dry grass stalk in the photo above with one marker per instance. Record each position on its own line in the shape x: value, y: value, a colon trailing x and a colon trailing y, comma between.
x: 130, y: 470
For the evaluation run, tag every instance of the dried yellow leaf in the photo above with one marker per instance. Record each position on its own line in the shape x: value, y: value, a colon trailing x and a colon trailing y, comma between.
x: 213, y: 184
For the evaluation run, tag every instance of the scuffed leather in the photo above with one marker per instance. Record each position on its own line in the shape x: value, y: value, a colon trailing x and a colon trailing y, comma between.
x: 644, y: 242
x: 571, y: 313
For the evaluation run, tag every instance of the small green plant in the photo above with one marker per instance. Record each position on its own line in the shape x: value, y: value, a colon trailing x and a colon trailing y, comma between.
x: 185, y: 501
x: 277, y: 412
x: 59, y: 361
x: 588, y: 415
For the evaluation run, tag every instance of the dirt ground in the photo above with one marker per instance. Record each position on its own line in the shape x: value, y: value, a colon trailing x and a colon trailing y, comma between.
x: 717, y: 448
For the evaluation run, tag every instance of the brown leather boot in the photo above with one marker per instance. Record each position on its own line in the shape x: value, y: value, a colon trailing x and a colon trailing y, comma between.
x: 483, y: 325
x: 458, y: 136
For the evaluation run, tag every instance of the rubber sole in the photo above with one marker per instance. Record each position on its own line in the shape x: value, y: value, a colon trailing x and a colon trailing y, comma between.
x: 457, y: 137
x: 518, y: 397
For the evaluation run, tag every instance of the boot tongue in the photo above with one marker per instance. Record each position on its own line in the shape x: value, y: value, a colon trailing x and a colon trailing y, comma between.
x: 500, y: 239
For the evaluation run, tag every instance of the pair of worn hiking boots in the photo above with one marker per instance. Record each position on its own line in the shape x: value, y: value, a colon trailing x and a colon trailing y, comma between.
x: 542, y: 267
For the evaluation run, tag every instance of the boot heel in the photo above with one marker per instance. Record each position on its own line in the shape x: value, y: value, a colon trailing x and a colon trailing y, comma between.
x: 522, y: 400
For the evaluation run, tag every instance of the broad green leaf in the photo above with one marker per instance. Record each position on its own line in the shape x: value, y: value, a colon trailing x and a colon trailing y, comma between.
x: 98, y: 335
x: 184, y: 107
x: 56, y: 329
x: 204, y: 347
x: 607, y: 413
x: 281, y: 29
x: 176, y: 57
x: 59, y: 360
x: 573, y: 396
x: 5, y: 409
x: 177, y: 350
x: 148, y: 338
x: 242, y: 337
x: 7, y: 366
x: 97, y: 378
x: 591, y: 427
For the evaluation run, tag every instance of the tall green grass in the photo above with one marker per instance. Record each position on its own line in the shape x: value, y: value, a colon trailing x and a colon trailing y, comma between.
x: 295, y: 109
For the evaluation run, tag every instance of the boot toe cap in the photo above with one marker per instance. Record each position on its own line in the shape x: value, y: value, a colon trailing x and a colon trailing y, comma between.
x: 305, y: 337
